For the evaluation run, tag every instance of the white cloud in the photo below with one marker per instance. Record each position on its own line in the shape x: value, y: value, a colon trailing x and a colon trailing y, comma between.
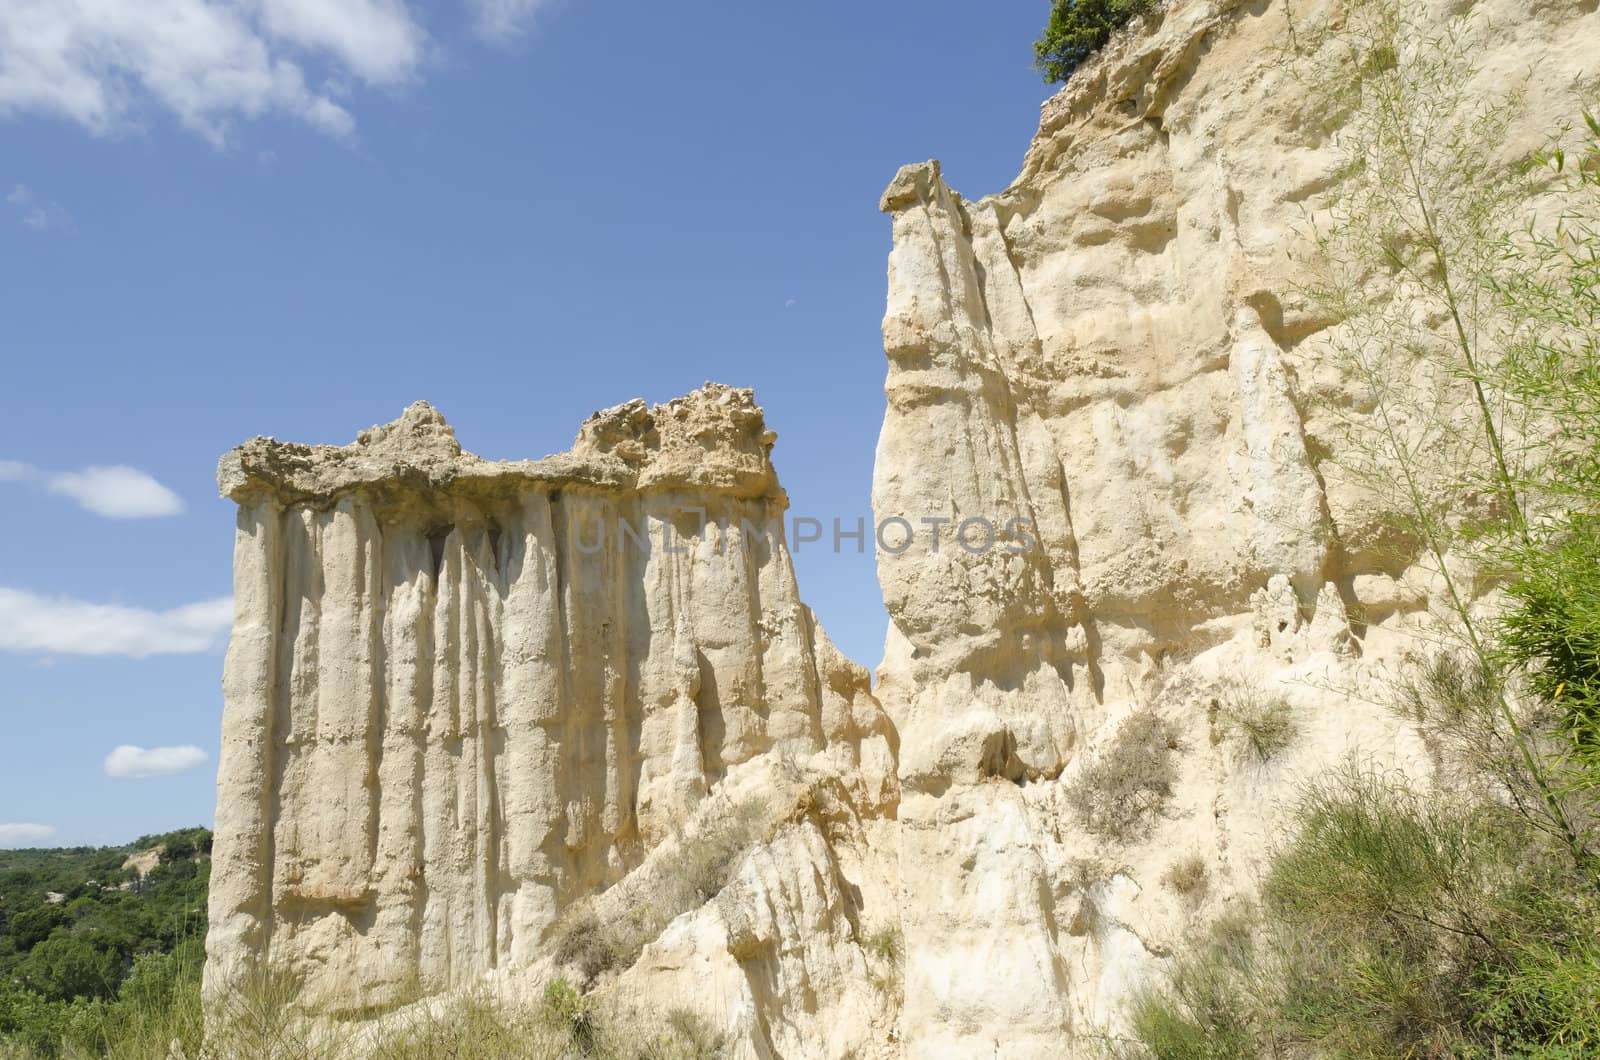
x: 105, y: 63
x: 101, y: 63
x: 30, y: 623
x: 21, y: 835
x: 36, y: 213
x: 139, y: 763
x: 377, y: 40
x: 505, y: 21
x: 116, y: 492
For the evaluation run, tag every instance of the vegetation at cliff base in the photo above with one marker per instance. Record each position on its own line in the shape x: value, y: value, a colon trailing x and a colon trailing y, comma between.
x: 1076, y: 30
x: 97, y: 960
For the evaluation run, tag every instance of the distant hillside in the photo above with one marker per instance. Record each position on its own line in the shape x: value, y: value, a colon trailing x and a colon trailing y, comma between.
x: 82, y: 927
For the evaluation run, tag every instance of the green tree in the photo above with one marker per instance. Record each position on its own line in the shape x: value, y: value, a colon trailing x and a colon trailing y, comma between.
x: 63, y: 967
x: 32, y: 926
x: 1077, y: 29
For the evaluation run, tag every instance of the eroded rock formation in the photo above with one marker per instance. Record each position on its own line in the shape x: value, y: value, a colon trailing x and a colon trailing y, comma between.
x: 448, y: 722
x: 1120, y: 347
x: 462, y: 694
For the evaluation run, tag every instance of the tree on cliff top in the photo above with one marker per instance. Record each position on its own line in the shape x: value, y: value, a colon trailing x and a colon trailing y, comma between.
x: 1078, y: 29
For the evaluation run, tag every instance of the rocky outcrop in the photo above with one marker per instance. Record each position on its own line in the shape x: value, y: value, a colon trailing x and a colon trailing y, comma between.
x: 1119, y: 350
x: 465, y: 698
x: 463, y: 694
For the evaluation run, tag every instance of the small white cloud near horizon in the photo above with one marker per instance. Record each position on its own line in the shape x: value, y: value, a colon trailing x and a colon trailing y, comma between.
x: 15, y: 471
x: 35, y: 624
x: 19, y: 835
x: 41, y: 215
x: 129, y: 762
x: 116, y: 492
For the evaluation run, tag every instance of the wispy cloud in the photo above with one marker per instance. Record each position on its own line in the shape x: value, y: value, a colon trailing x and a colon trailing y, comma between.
x: 505, y: 21
x: 115, y: 492
x: 31, y: 623
x: 101, y: 63
x: 129, y: 762
x: 105, y: 63
x: 41, y: 215
x: 22, y: 835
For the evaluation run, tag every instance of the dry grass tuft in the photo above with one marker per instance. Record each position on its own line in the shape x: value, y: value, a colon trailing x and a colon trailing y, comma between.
x: 1121, y: 792
x: 1188, y: 876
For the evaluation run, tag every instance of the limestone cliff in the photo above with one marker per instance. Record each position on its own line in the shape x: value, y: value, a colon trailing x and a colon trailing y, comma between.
x: 1120, y: 349
x: 450, y: 719
x: 463, y: 694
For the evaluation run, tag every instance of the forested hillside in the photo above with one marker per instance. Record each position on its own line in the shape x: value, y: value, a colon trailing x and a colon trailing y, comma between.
x: 89, y: 934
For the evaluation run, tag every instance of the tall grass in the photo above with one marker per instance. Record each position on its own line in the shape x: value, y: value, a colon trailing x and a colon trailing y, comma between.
x: 1394, y: 923
x: 264, y: 1019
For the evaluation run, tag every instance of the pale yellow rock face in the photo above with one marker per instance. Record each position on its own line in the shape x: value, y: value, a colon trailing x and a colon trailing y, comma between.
x: 1117, y: 349
x: 459, y: 697
x: 448, y: 720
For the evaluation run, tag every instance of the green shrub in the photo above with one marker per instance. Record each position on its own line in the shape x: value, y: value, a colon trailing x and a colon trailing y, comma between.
x: 1076, y: 30
x: 1204, y: 1010
x: 1125, y: 787
x: 1553, y: 631
x: 1393, y: 923
x: 1265, y: 724
x: 564, y: 1025
x: 472, y: 1028
x: 572, y: 1014
x: 886, y: 943
x: 583, y: 942
x: 64, y: 967
x: 886, y: 948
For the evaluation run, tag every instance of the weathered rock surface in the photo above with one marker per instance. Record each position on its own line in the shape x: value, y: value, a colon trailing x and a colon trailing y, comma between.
x: 449, y: 720
x: 1119, y: 350
x: 462, y: 694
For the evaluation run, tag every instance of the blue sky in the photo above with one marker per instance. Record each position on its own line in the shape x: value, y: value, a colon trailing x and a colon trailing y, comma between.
x: 294, y: 217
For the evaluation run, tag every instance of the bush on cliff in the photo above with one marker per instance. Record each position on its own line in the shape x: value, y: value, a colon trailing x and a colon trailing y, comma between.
x: 1077, y: 29
x: 1393, y: 924
x: 1121, y: 792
